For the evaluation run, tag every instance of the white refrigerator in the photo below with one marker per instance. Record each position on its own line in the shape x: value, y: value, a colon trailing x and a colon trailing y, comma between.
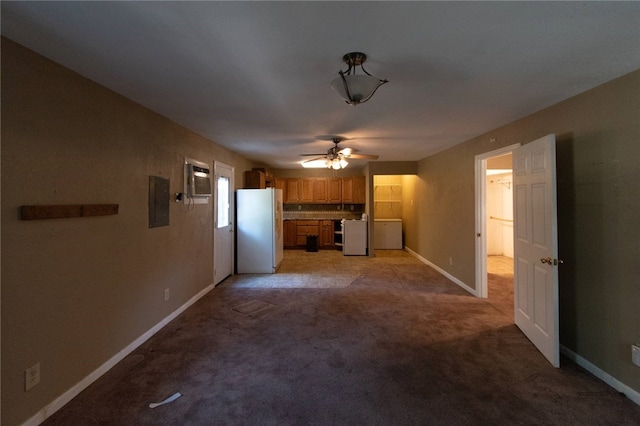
x: 259, y: 230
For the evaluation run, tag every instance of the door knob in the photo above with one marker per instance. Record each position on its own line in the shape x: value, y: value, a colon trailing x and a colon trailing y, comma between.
x: 546, y: 260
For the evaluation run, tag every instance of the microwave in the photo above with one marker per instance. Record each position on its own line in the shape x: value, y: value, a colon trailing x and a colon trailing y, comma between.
x: 198, y: 181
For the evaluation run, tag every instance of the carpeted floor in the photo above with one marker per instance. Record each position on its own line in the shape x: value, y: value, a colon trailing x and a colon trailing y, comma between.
x: 399, y: 344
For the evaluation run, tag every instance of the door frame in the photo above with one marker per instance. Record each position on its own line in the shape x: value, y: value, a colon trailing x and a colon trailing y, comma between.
x: 482, y: 288
x: 232, y: 217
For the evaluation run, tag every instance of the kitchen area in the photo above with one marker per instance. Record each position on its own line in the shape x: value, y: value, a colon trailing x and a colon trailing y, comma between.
x: 319, y: 212
x: 324, y: 211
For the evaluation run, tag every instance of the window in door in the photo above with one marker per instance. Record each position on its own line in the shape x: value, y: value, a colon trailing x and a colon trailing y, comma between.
x: 222, y: 202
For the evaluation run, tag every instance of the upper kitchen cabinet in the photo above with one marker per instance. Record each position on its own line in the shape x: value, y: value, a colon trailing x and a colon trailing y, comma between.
x: 322, y: 190
x: 299, y: 190
x: 327, y: 191
x: 293, y: 188
x: 308, y: 186
x: 258, y: 179
x: 280, y: 183
x: 353, y: 190
x: 334, y: 190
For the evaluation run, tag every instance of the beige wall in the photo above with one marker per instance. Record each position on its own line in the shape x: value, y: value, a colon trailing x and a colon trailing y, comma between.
x: 598, y: 173
x: 410, y: 210
x: 77, y: 291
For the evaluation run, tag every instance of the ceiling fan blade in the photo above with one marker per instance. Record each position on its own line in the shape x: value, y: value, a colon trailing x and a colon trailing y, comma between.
x: 364, y: 156
x: 333, y: 138
x: 315, y: 163
x: 312, y: 155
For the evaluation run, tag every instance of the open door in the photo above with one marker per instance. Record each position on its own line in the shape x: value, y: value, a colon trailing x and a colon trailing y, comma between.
x: 536, y: 245
x: 223, y: 223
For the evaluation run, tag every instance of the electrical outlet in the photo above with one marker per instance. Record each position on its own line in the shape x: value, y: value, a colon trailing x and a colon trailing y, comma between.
x: 166, y: 294
x: 31, y: 376
x: 451, y: 261
x: 635, y: 354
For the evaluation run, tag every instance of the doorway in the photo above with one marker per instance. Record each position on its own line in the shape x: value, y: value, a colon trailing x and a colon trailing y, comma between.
x: 223, y: 222
x: 499, y: 234
x: 494, y: 227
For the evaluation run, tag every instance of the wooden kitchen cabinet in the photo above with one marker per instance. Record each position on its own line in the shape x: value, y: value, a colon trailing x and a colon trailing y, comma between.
x: 258, y: 178
x: 280, y: 183
x: 293, y: 189
x: 306, y: 193
x: 304, y: 228
x: 353, y: 190
x: 334, y: 190
x: 350, y: 190
x: 359, y: 190
x: 320, y: 190
x: 326, y: 234
x: 347, y: 190
x: 290, y: 233
x: 299, y: 191
x: 254, y: 179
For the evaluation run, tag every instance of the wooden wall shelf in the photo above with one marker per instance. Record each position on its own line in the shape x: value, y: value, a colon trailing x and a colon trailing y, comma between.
x: 65, y: 211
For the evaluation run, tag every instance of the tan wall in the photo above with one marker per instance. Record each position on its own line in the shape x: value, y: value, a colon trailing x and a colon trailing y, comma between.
x: 77, y: 291
x: 598, y: 172
x: 410, y: 210
x: 393, y: 167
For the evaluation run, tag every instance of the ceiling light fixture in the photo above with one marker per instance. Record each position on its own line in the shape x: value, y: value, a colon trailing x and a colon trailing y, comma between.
x: 337, y: 163
x: 356, y: 89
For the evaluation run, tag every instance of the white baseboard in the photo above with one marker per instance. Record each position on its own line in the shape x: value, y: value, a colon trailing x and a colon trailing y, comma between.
x: 632, y: 394
x: 63, y: 399
x: 442, y: 271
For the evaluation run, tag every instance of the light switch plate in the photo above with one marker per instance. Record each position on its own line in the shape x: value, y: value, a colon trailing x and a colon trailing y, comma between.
x: 635, y: 354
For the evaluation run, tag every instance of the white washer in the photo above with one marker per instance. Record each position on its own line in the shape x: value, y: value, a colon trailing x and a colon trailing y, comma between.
x: 387, y: 234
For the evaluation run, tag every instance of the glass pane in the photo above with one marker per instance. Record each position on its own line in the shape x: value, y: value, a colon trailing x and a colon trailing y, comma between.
x: 222, y: 200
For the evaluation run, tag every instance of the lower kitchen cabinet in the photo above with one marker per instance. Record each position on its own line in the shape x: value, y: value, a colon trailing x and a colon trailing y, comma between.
x: 289, y: 235
x: 326, y: 234
x: 296, y: 232
x: 304, y: 228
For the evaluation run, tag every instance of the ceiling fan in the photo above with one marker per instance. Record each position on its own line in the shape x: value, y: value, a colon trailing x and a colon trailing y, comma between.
x: 336, y: 157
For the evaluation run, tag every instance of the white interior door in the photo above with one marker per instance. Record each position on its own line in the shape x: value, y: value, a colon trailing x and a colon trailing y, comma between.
x: 536, y: 246
x: 223, y: 223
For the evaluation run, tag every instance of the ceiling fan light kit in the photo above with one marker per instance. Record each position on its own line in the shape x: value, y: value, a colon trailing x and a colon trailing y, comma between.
x: 322, y: 163
x: 336, y: 158
x: 356, y: 89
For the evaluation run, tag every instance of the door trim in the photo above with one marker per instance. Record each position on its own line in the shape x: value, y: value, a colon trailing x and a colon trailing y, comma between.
x: 482, y: 289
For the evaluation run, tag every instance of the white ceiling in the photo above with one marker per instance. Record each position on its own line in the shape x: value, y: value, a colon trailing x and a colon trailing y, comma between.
x: 254, y: 76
